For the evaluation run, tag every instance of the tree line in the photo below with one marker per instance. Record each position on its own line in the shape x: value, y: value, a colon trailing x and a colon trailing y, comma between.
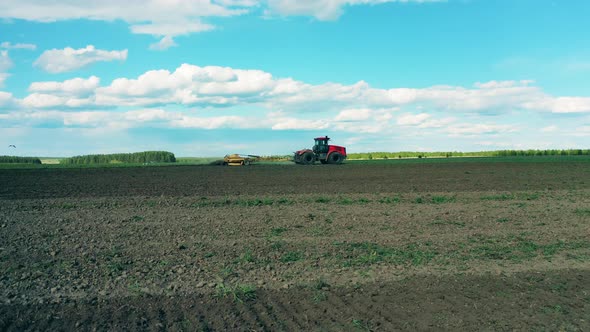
x: 19, y: 160
x: 130, y: 158
x: 498, y: 153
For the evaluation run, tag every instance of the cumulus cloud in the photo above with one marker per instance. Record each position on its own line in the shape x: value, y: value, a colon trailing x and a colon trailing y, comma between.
x: 476, y: 129
x: 155, y: 17
x: 412, y: 119
x: 3, y: 77
x: 214, y: 86
x: 190, y: 85
x: 323, y: 9
x: 24, y: 46
x: 130, y: 119
x: 549, y: 129
x: 6, y: 100
x: 168, y: 19
x: 190, y: 97
x: 76, y: 86
x: 165, y: 43
x: 423, y: 120
x: 5, y: 62
x: 69, y: 59
x: 354, y: 115
x: 560, y: 104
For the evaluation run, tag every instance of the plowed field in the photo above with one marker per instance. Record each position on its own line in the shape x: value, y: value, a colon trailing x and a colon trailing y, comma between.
x: 373, y: 247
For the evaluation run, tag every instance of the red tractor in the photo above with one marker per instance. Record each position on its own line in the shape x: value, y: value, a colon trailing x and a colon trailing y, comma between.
x: 326, y: 154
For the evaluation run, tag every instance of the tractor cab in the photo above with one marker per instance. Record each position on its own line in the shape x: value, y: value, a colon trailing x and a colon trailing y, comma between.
x: 321, y: 145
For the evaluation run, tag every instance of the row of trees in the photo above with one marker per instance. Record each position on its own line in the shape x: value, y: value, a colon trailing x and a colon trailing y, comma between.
x: 499, y: 153
x: 130, y: 158
x: 19, y: 160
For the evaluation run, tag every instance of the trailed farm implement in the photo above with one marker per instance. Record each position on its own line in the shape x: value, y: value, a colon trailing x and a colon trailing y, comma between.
x: 239, y: 159
x: 322, y: 152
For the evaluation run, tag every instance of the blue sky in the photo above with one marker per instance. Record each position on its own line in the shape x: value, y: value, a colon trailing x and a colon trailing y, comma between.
x: 210, y: 77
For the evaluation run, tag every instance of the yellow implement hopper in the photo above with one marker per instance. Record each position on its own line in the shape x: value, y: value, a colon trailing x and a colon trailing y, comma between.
x: 238, y: 159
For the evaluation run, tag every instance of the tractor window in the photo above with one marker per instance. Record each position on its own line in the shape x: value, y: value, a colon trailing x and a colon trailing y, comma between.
x: 321, y: 146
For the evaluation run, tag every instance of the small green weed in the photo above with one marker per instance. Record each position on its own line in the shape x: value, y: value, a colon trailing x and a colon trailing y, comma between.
x: 556, y: 309
x: 501, y: 197
x: 291, y: 256
x: 319, y: 296
x: 322, y: 200
x: 134, y: 288
x: 277, y: 231
x: 284, y: 201
x: 361, y: 325
x: 443, y: 199
x: 448, y: 223
x: 319, y: 231
x: 247, y: 257
x: 67, y: 206
x: 345, y: 201
x: 366, y: 253
x: 321, y: 284
x: 239, y: 293
x: 278, y: 245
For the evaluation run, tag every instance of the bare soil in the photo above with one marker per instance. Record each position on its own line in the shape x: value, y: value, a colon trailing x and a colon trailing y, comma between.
x: 476, y: 246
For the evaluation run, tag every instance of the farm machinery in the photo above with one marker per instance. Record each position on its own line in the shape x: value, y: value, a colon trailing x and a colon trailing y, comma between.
x: 239, y: 159
x: 322, y: 152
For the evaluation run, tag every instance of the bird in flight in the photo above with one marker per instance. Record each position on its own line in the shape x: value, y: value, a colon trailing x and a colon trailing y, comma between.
x: 12, y: 146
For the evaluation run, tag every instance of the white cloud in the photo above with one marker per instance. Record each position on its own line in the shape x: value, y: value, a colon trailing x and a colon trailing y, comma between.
x: 6, y: 100
x: 154, y: 17
x: 40, y: 100
x: 68, y: 59
x: 75, y: 86
x: 5, y: 62
x: 170, y: 29
x: 560, y: 104
x: 549, y: 129
x: 188, y: 84
x: 582, y: 131
x: 213, y: 122
x: 323, y: 9
x: 354, y: 115
x: 167, y: 19
x: 165, y: 43
x: 423, y: 121
x: 299, y: 124
x: 10, y: 46
x: 130, y: 119
x: 131, y: 11
x: 412, y: 119
x: 477, y: 129
x: 214, y: 86
x: 3, y: 77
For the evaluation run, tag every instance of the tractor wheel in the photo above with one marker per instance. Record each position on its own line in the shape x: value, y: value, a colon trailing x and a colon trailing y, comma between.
x: 307, y: 158
x: 335, y: 158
